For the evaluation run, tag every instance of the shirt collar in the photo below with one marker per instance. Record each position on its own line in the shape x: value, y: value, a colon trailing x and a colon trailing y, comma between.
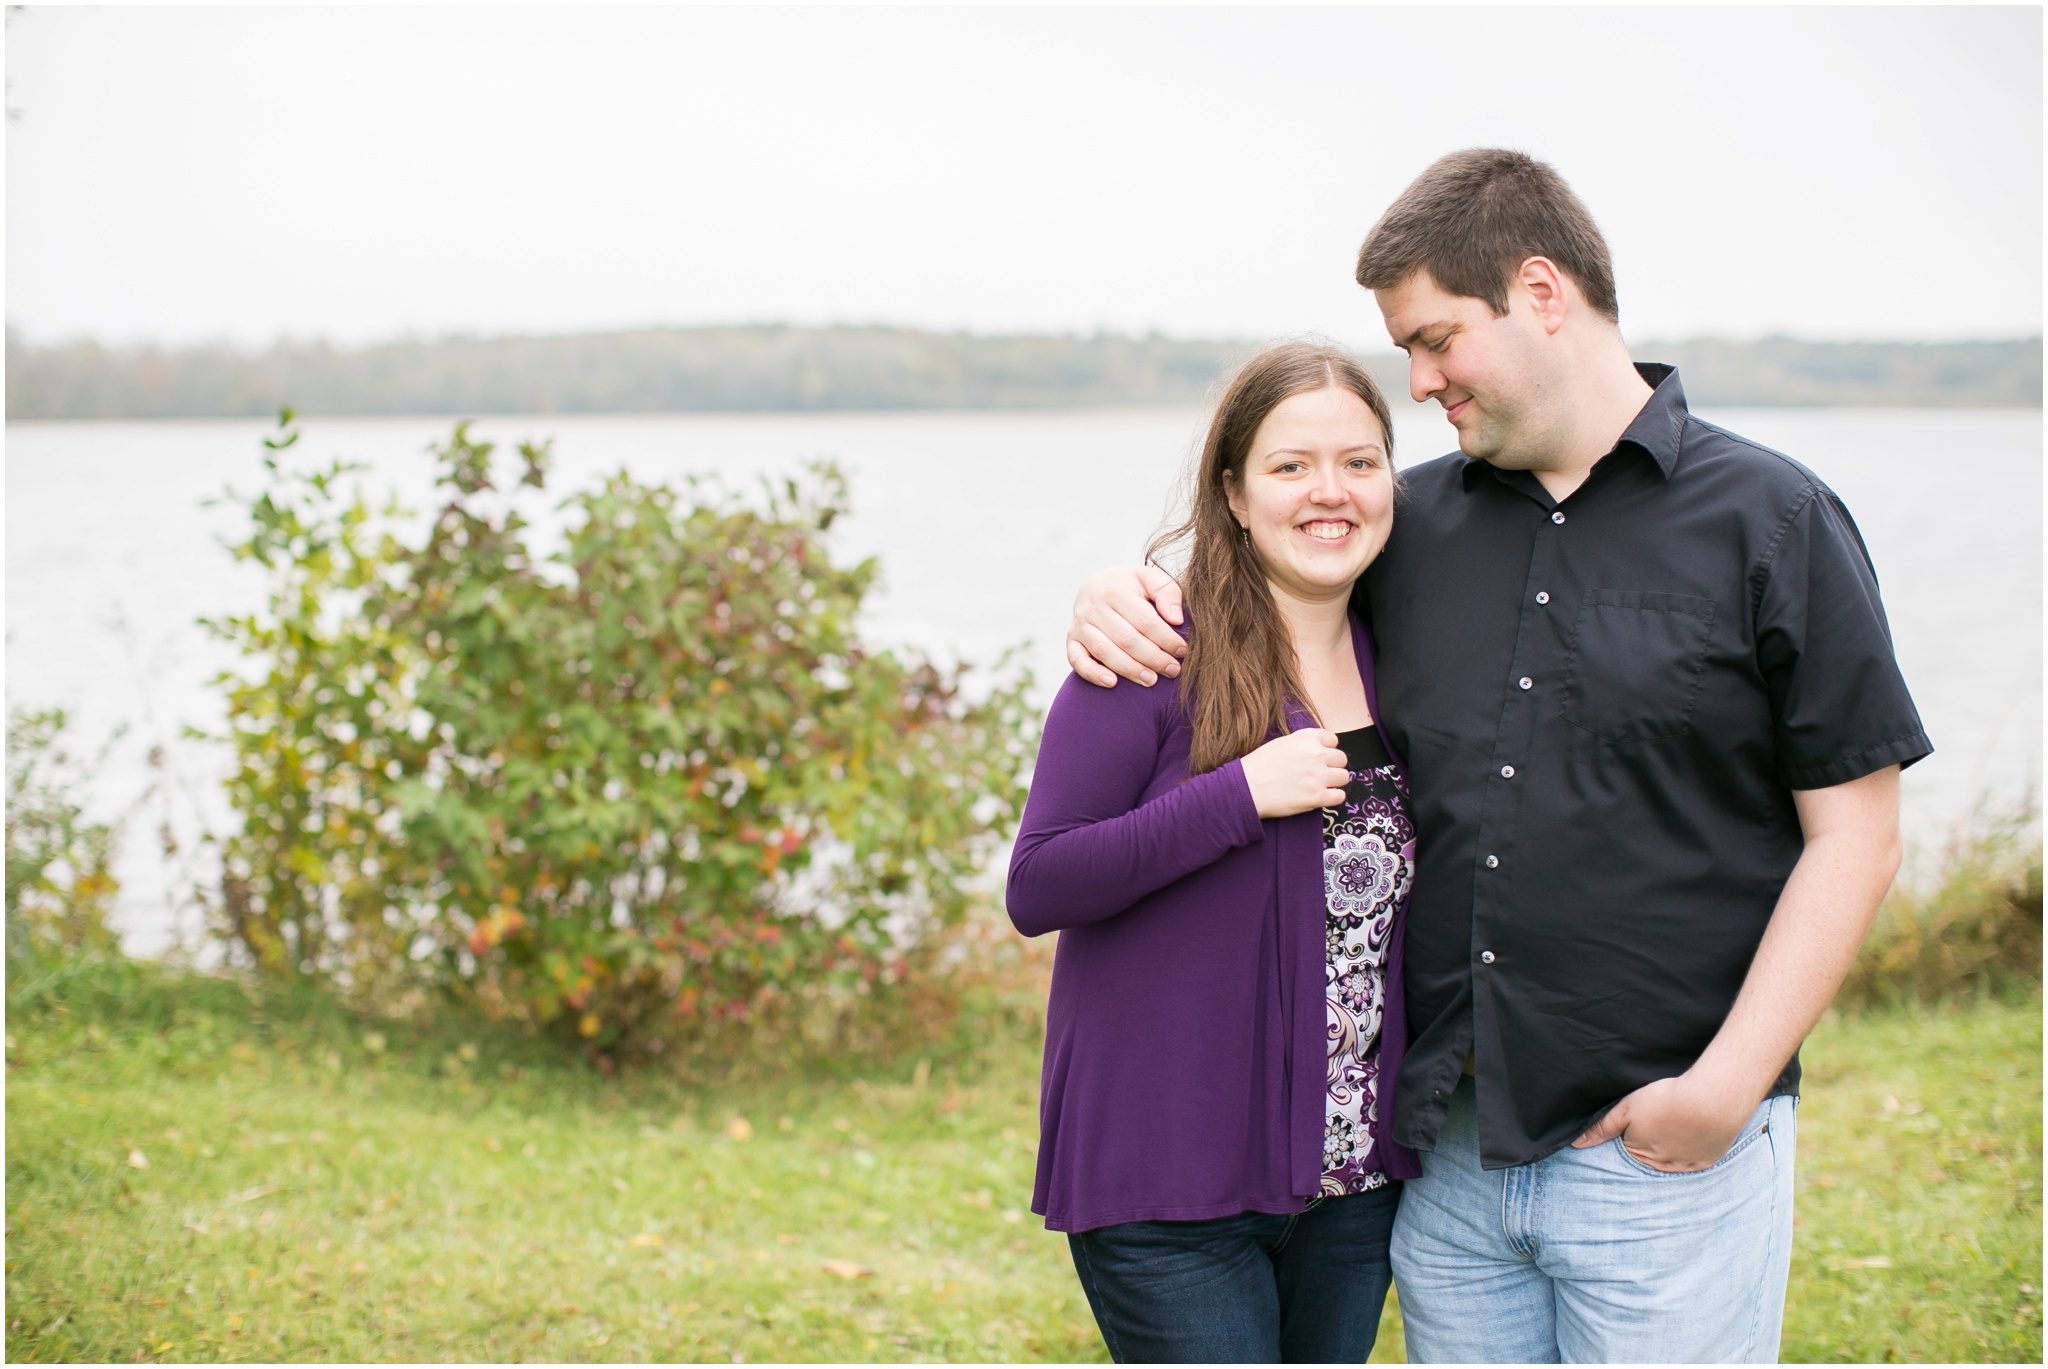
x: 1656, y: 429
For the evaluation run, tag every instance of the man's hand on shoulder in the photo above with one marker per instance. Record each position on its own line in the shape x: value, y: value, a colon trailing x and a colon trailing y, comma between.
x: 1119, y: 629
x: 1676, y: 1124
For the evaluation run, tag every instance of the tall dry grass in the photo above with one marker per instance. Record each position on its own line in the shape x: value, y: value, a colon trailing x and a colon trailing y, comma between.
x: 1972, y: 930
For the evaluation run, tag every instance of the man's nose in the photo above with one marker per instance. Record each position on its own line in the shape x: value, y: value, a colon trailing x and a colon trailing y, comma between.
x: 1424, y: 379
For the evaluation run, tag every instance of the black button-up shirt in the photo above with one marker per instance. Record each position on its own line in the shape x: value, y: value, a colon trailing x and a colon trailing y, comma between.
x: 1604, y: 705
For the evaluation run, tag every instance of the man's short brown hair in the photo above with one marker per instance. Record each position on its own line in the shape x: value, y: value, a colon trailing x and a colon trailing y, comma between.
x: 1474, y: 217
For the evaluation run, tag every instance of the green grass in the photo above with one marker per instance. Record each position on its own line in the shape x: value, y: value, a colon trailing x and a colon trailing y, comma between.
x: 1919, y: 1208
x: 309, y: 1197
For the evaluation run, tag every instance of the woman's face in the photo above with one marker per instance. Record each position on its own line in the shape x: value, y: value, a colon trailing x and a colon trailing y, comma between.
x: 1317, y: 493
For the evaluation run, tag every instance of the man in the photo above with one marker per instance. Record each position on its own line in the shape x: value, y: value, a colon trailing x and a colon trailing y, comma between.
x: 1640, y: 675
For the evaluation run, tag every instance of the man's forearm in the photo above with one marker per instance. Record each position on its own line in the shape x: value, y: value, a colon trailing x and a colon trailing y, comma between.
x: 1852, y: 851
x: 1821, y: 919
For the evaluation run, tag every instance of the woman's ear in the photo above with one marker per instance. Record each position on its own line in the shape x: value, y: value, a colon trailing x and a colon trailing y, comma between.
x: 1233, y: 495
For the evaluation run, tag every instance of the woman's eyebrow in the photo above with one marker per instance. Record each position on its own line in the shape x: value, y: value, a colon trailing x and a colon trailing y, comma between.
x: 1305, y: 451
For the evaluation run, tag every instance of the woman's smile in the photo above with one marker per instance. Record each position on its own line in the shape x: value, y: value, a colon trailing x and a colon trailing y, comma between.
x: 1316, y: 496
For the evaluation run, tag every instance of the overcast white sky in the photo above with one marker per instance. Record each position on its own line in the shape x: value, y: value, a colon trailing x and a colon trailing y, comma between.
x: 178, y: 174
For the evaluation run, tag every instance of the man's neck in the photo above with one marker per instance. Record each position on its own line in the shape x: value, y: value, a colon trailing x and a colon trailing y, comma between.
x: 1607, y: 392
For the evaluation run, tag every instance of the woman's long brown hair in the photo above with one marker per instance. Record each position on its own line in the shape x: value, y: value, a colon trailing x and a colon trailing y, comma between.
x: 1240, y: 673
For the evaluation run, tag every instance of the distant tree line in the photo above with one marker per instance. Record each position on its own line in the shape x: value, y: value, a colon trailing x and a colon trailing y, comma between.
x: 655, y: 370
x: 790, y: 369
x: 1785, y: 372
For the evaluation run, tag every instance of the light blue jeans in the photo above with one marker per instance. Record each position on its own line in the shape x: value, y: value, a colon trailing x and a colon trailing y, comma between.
x: 1590, y: 1256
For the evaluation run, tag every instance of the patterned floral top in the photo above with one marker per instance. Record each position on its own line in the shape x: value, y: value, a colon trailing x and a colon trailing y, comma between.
x: 1368, y: 862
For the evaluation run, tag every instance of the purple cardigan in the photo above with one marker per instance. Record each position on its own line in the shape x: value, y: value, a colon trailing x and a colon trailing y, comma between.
x: 1185, y: 1055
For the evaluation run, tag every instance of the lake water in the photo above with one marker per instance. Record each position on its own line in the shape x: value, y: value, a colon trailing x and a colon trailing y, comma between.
x: 984, y: 522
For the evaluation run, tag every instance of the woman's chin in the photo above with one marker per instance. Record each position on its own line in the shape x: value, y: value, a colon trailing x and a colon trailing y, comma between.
x: 1321, y: 581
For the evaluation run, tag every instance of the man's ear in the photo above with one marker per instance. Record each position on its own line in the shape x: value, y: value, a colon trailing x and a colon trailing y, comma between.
x: 1548, y: 290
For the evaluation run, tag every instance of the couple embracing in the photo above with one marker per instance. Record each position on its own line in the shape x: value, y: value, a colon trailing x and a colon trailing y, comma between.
x: 1452, y: 915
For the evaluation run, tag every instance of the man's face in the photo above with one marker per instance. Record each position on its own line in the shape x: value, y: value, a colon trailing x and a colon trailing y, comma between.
x: 1484, y: 370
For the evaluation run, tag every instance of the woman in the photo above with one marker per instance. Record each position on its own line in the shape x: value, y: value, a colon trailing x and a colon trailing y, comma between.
x: 1228, y: 862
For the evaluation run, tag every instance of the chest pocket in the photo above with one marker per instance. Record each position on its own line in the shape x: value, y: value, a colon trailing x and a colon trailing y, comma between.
x: 1635, y: 663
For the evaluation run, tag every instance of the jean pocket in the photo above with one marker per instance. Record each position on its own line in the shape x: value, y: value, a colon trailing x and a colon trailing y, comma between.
x: 1751, y: 1134
x: 1635, y: 663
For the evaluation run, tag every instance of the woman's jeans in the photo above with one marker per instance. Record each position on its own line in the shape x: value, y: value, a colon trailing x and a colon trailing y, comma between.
x: 1247, y: 1289
x: 1591, y: 1256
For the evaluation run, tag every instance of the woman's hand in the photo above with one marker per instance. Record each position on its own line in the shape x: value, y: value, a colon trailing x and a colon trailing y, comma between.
x: 1295, y: 773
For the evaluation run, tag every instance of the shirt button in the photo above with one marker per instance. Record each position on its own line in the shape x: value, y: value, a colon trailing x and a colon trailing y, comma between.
x: 1507, y: 772
x: 1557, y: 517
x: 1526, y: 683
x: 1542, y: 596
x: 1493, y: 862
x: 1486, y: 957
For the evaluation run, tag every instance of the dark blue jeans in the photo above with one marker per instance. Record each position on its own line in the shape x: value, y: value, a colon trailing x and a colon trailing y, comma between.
x: 1249, y: 1289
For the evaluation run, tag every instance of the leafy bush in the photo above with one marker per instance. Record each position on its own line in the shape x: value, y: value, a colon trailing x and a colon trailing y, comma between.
x: 60, y: 882
x: 1975, y: 930
x: 654, y: 778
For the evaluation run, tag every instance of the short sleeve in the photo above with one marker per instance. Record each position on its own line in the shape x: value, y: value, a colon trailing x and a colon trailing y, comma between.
x: 1840, y: 706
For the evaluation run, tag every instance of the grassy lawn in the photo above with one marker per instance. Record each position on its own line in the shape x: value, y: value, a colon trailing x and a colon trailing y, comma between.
x: 1919, y: 1226
x: 193, y: 1177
